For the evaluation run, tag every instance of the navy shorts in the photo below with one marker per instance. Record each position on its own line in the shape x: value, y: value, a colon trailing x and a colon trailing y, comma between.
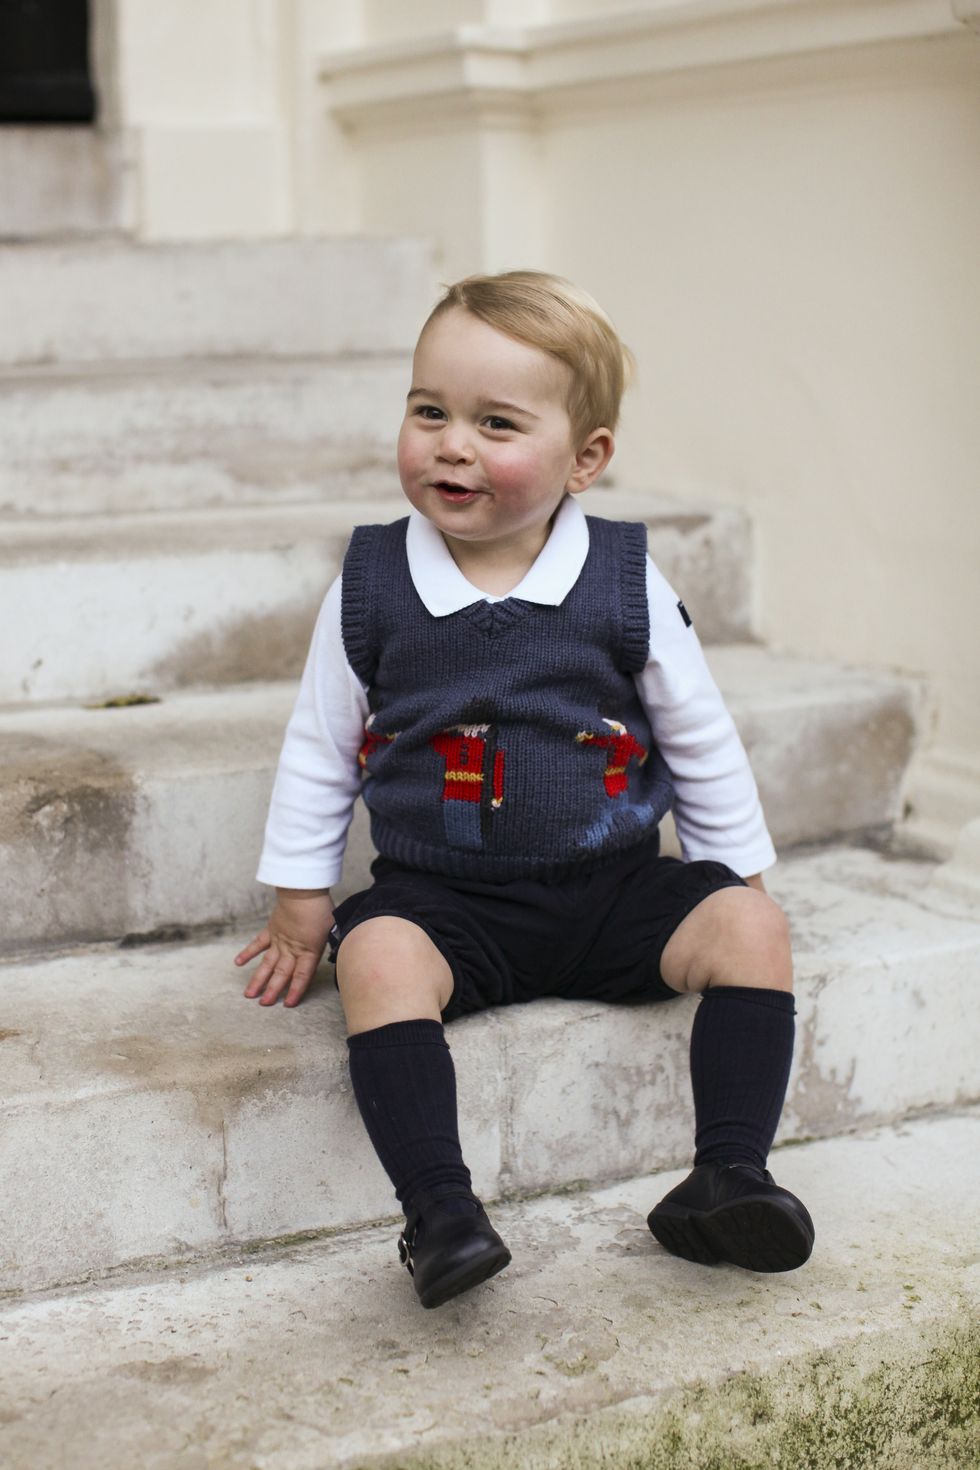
x: 595, y: 936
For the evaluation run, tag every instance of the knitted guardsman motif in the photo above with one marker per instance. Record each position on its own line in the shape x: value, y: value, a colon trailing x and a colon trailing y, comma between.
x: 622, y: 749
x: 553, y: 687
x: 473, y: 782
x: 371, y: 742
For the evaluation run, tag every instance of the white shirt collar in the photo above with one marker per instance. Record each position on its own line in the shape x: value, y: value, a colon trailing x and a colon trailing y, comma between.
x: 443, y: 588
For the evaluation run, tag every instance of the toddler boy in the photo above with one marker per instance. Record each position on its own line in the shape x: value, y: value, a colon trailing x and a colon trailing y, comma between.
x: 520, y: 697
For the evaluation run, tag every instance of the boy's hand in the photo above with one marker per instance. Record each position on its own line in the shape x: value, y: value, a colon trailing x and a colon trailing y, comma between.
x: 294, y: 940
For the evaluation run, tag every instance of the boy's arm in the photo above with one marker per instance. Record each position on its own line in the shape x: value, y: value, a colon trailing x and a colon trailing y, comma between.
x: 312, y: 802
x: 318, y: 777
x: 717, y: 811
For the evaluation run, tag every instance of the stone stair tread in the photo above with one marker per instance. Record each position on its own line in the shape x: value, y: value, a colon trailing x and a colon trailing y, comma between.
x: 189, y: 532
x: 847, y: 905
x: 277, y: 297
x: 198, y: 728
x: 110, y: 373
x: 186, y: 597
x: 120, y: 820
x: 593, y: 1346
x: 61, y: 179
x: 113, y: 438
x: 236, y: 1122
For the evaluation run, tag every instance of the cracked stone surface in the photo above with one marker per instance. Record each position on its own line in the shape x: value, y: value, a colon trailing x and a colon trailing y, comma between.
x: 302, y: 1356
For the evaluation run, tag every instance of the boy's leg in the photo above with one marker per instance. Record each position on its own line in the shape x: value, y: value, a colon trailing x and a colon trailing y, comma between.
x: 394, y: 984
x: 734, y: 950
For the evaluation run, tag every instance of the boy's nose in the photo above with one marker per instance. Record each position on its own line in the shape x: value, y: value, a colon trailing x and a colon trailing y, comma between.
x: 455, y: 446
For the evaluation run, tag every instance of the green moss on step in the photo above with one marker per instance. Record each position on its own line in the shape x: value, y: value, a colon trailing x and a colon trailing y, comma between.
x: 903, y: 1401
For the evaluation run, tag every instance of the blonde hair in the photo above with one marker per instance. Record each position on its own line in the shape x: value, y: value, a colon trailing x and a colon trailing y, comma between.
x: 562, y: 320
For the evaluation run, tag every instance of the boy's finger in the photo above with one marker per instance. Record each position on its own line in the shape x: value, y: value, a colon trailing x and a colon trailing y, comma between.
x: 258, y: 944
x: 278, y: 980
x: 262, y: 974
x: 305, y: 970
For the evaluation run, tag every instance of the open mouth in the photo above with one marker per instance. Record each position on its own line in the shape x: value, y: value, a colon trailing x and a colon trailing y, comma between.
x: 457, y: 493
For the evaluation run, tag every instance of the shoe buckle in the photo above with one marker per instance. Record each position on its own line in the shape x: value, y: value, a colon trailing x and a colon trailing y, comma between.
x: 405, y: 1254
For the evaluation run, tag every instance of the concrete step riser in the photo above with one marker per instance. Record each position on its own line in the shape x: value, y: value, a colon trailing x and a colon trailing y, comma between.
x: 193, y: 437
x: 277, y: 297
x: 153, y: 1111
x: 119, y: 821
x: 95, y: 608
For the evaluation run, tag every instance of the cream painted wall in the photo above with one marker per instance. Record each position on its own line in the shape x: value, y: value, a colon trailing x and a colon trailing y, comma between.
x: 198, y: 91
x: 223, y: 114
x: 794, y: 260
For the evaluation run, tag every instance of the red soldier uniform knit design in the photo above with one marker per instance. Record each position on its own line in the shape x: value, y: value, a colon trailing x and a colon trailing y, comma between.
x: 622, y: 748
x: 464, y: 755
x: 371, y: 743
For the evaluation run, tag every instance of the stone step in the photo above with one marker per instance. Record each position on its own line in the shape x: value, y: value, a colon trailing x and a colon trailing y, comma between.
x: 594, y: 1347
x: 117, y: 821
x: 124, y: 438
x: 153, y: 1112
x: 58, y: 180
x: 115, y: 300
x: 96, y: 605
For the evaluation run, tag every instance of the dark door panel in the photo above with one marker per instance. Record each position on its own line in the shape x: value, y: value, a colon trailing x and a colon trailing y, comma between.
x: 44, y: 62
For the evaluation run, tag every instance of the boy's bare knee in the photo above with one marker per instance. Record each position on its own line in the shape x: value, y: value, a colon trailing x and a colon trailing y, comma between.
x: 389, y: 970
x: 736, y: 936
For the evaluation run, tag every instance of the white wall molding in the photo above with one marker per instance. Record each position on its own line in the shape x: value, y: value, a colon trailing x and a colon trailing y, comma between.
x: 506, y: 76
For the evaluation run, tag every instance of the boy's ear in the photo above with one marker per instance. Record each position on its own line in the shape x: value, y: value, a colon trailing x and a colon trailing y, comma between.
x: 591, y: 460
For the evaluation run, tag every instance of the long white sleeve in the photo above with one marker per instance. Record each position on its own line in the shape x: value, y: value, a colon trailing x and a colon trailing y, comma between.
x: 717, y: 812
x: 318, y: 777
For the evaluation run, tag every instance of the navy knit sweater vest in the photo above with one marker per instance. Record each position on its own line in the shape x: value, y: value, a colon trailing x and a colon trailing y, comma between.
x: 506, y: 740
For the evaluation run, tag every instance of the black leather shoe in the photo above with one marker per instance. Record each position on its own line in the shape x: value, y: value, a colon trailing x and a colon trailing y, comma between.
x: 447, y: 1253
x: 736, y: 1213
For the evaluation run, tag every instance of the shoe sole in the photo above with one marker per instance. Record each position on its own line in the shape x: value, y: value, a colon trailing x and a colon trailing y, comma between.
x: 759, y: 1234
x: 454, y: 1283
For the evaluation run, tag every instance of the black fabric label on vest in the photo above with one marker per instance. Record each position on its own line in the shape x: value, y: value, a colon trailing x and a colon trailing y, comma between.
x: 688, y: 623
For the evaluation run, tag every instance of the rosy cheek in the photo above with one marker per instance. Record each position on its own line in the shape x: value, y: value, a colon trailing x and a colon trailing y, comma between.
x: 513, y: 470
x: 409, y: 453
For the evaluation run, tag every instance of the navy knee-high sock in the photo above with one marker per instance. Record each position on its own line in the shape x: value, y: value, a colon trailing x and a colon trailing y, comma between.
x: 405, y: 1086
x: 741, y: 1050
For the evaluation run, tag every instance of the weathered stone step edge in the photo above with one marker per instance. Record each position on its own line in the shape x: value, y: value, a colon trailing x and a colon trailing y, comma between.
x: 128, y: 438
x: 95, y: 606
x: 175, y: 1117
x: 593, y: 1347
x: 118, y: 537
x: 118, y: 821
x: 275, y: 297
x: 112, y: 375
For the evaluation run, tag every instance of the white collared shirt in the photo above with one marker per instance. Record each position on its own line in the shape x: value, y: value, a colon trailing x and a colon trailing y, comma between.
x: 717, y: 812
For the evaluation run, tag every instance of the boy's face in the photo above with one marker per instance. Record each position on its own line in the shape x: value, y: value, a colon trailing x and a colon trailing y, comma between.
x: 486, y: 449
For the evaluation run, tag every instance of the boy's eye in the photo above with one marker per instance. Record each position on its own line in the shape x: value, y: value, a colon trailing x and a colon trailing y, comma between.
x: 496, y: 423
x: 429, y: 411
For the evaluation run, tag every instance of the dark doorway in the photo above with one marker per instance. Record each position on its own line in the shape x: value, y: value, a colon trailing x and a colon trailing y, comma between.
x: 44, y: 63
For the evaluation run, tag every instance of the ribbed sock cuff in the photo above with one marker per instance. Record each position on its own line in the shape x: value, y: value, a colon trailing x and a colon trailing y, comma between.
x: 400, y: 1033
x: 777, y: 1000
